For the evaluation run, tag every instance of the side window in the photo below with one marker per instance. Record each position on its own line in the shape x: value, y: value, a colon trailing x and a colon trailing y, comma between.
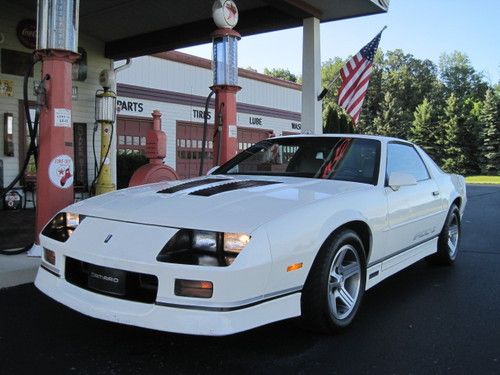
x: 404, y: 158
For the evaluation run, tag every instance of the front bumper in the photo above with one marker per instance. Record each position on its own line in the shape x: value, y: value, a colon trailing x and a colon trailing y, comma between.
x: 186, y: 319
x: 241, y: 299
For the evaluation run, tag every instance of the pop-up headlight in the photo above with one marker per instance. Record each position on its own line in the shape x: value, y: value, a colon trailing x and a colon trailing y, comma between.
x: 203, y: 248
x: 62, y: 226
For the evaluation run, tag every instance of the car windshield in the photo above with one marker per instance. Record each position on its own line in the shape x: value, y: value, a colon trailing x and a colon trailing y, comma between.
x: 335, y: 158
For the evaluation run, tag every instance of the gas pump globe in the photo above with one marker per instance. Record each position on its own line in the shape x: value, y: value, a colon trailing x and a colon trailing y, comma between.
x: 225, y: 59
x: 57, y: 25
x: 105, y: 106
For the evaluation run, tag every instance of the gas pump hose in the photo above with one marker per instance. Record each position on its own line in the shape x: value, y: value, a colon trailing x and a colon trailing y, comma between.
x: 205, y: 127
x: 32, y: 148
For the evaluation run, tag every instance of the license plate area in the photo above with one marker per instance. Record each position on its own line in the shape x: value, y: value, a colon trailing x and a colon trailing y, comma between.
x: 107, y: 280
x: 132, y: 286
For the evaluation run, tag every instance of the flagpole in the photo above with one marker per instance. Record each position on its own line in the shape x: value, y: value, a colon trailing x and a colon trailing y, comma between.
x: 325, y: 90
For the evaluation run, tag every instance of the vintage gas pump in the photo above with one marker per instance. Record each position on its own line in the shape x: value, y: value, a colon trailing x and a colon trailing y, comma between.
x: 225, y: 84
x: 105, y: 115
x: 156, y: 151
x: 57, y: 44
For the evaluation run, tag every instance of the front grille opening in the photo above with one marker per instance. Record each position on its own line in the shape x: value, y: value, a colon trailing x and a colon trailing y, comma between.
x: 132, y: 286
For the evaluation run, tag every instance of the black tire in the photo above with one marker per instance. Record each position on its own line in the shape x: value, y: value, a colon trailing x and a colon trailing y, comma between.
x: 449, y: 239
x: 323, y: 297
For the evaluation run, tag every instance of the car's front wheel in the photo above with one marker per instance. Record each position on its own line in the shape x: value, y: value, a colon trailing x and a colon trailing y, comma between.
x: 336, y: 284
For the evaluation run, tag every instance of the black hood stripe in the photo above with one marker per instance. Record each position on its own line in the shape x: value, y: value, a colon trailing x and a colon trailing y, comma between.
x: 207, y: 192
x: 190, y: 184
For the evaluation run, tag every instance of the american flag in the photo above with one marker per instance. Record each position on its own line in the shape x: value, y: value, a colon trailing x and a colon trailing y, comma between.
x: 355, y: 77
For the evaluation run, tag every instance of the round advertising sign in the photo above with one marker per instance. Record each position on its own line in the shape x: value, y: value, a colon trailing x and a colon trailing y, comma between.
x: 26, y: 33
x: 61, y: 171
x: 12, y: 200
x: 225, y: 14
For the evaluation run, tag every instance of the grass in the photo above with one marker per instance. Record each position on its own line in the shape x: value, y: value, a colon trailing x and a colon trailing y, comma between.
x: 483, y: 180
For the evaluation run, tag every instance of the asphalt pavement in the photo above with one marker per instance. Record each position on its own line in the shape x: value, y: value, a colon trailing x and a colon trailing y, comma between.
x: 424, y: 320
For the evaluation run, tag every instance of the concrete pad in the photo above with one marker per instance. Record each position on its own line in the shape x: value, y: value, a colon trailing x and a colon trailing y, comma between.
x: 17, y: 269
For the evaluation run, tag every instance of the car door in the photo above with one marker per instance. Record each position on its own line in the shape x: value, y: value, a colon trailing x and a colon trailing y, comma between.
x: 413, y: 211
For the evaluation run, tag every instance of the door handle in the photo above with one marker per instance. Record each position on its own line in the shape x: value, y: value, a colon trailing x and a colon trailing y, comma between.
x: 435, y: 193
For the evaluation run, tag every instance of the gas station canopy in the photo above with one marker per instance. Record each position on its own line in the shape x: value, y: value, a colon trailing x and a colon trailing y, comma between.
x: 132, y: 28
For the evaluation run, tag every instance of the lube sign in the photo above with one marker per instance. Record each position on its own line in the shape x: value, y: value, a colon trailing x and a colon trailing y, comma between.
x: 255, y: 121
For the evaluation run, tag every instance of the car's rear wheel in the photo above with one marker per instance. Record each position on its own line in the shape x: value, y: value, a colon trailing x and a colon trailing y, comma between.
x: 449, y: 239
x: 336, y: 284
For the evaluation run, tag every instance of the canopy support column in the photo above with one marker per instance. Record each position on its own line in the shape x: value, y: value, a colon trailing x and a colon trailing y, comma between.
x: 311, y: 77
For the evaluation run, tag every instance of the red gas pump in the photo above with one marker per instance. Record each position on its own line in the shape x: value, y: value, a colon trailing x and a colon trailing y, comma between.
x: 57, y: 45
x: 156, y: 151
x: 225, y: 70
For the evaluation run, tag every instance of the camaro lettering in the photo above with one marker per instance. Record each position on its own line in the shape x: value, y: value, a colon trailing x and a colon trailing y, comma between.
x: 115, y: 280
x: 424, y: 233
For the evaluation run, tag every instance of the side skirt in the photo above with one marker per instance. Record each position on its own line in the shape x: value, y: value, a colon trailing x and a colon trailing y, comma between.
x: 388, y: 267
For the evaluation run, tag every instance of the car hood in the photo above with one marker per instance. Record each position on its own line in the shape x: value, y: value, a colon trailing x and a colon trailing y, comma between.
x: 219, y: 203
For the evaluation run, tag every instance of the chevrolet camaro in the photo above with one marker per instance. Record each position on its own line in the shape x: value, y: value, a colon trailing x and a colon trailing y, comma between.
x: 297, y: 226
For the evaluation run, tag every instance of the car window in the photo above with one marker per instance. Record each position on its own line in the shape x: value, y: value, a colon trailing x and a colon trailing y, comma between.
x: 334, y: 158
x: 404, y: 158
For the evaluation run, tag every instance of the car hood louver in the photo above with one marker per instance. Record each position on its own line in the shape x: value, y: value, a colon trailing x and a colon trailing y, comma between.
x: 230, y: 186
x: 190, y: 185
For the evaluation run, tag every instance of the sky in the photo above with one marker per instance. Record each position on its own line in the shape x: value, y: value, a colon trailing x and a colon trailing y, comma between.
x: 424, y: 28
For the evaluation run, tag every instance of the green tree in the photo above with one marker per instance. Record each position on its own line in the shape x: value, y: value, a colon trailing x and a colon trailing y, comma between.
x: 389, y: 118
x: 281, y: 73
x: 471, y: 141
x: 460, y: 77
x: 330, y: 70
x: 453, y: 123
x: 424, y: 129
x: 408, y: 80
x: 489, y: 119
x: 335, y: 120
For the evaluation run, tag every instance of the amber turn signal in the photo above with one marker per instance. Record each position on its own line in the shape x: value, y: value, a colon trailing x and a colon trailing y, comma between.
x: 294, y: 267
x: 193, y: 288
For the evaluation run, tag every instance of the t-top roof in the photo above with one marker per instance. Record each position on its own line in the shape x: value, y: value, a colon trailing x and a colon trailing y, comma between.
x: 140, y: 27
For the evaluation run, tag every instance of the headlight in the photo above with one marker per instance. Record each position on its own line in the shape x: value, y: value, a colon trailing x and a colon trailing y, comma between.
x: 203, y: 240
x: 62, y: 226
x: 203, y: 248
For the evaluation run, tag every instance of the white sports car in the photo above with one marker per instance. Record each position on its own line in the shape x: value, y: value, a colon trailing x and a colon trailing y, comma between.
x: 293, y: 226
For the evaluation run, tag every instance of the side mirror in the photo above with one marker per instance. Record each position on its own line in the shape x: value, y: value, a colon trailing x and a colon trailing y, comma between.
x: 211, y: 170
x: 398, y: 179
